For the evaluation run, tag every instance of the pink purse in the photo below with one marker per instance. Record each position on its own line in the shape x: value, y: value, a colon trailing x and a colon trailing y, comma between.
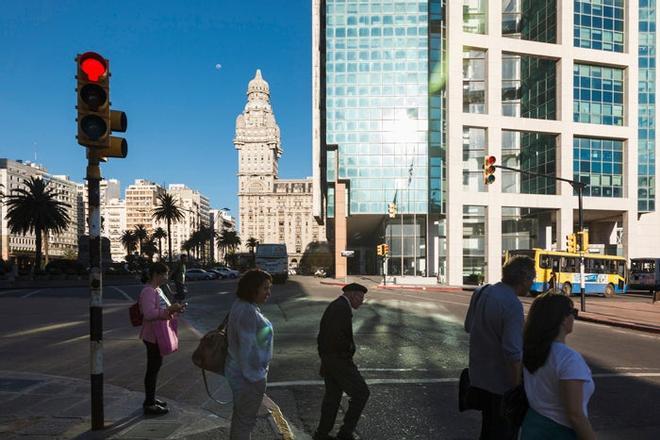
x: 166, y: 336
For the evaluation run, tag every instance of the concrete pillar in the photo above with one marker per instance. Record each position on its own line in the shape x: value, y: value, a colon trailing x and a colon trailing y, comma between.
x: 564, y: 226
x: 493, y: 242
x: 341, y: 266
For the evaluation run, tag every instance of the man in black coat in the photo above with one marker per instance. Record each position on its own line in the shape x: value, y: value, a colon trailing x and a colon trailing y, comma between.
x: 336, y: 349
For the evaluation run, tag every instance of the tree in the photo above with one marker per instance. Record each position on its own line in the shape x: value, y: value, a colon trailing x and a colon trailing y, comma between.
x: 229, y: 241
x: 159, y: 234
x: 252, y: 243
x: 170, y: 211
x: 187, y: 246
x: 149, y: 247
x: 35, y: 208
x: 141, y: 234
x: 129, y: 241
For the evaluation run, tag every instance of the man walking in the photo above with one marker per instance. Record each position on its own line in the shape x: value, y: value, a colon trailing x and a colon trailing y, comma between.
x: 495, y: 323
x: 336, y: 349
x: 179, y: 278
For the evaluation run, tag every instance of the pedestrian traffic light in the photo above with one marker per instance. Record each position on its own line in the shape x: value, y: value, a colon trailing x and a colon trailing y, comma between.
x: 391, y: 209
x: 379, y: 250
x: 583, y: 240
x: 571, y: 243
x: 386, y: 249
x: 95, y: 119
x: 489, y: 169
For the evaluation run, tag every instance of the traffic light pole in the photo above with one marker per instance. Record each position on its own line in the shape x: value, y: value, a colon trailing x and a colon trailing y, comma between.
x: 95, y: 290
x: 579, y: 187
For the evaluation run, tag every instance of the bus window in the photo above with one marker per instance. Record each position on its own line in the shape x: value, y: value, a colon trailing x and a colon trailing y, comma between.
x: 545, y: 262
x: 555, y: 264
x: 621, y: 268
x: 570, y: 264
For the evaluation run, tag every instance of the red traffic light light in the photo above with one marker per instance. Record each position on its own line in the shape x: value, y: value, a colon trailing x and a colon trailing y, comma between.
x: 490, y: 160
x: 93, y: 65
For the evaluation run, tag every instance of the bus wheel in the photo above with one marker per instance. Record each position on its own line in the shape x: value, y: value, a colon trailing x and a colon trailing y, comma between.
x: 609, y: 291
x: 567, y: 289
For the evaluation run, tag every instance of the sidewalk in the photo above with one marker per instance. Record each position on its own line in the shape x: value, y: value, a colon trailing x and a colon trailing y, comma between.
x: 44, y: 379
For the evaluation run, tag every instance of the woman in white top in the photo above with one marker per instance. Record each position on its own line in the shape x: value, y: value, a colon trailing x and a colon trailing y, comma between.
x: 250, y: 350
x: 557, y: 380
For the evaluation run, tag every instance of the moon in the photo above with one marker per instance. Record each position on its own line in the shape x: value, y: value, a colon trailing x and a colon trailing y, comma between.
x: 218, y: 66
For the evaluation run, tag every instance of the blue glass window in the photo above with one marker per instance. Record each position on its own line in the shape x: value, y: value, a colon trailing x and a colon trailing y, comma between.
x: 599, y: 92
x: 599, y: 164
x: 598, y: 24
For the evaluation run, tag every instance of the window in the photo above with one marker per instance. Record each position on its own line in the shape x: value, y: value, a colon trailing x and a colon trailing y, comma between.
x: 533, y: 20
x: 529, y: 151
x: 597, y: 94
x: 474, y: 150
x: 598, y: 163
x: 599, y: 24
x: 475, y: 16
x: 528, y: 86
x: 474, y: 244
x: 474, y: 80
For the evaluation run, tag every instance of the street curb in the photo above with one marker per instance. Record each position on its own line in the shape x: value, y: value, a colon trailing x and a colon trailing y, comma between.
x: 276, y: 419
x: 621, y: 324
x: 430, y: 288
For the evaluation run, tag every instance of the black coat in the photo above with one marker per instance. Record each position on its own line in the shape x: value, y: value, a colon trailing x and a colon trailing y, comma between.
x: 335, y: 336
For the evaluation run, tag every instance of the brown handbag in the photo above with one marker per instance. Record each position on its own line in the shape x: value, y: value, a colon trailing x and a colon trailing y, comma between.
x: 211, y: 353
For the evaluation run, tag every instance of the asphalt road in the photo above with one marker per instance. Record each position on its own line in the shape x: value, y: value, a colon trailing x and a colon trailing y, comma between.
x: 411, y: 348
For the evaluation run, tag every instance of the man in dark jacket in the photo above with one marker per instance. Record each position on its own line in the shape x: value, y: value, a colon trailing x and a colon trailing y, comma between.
x: 336, y: 349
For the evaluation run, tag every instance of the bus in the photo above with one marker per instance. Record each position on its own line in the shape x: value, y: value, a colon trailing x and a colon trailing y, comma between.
x: 603, y: 274
x: 645, y: 274
x: 274, y: 259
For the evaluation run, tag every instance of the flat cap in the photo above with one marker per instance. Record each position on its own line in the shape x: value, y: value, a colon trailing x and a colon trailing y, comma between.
x: 354, y: 287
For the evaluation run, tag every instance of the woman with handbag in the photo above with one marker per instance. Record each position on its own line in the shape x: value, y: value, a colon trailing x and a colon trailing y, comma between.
x: 557, y: 380
x: 250, y: 349
x: 158, y: 333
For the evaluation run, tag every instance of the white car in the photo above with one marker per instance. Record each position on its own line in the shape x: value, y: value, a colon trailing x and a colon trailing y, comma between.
x: 227, y: 273
x: 198, y: 274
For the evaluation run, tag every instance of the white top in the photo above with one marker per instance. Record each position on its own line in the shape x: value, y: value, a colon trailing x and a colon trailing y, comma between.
x: 542, y: 387
x: 250, y: 337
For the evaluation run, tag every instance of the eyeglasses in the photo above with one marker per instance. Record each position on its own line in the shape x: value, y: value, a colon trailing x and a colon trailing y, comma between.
x: 574, y: 312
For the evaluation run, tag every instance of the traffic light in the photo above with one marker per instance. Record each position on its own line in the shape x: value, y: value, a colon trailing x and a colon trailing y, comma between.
x: 379, y: 250
x: 489, y: 169
x: 571, y: 243
x: 583, y: 240
x: 386, y: 249
x: 391, y: 209
x: 95, y: 119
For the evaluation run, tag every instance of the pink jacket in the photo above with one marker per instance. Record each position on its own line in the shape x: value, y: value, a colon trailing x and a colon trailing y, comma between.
x: 153, y: 314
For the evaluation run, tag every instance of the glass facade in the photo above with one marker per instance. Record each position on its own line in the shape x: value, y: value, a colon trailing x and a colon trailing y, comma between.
x: 474, y: 244
x: 533, y: 152
x: 529, y: 86
x: 525, y: 228
x: 474, y: 150
x: 412, y: 234
x: 474, y: 80
x: 599, y: 24
x: 646, y: 118
x: 437, y: 107
x: 475, y: 16
x: 377, y: 101
x: 598, y: 163
x: 534, y: 20
x: 598, y: 94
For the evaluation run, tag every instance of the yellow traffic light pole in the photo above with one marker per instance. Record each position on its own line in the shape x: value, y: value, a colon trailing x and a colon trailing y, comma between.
x: 579, y: 187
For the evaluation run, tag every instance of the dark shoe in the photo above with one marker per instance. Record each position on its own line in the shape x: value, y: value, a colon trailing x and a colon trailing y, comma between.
x: 154, y: 410
x: 318, y: 436
x: 161, y: 403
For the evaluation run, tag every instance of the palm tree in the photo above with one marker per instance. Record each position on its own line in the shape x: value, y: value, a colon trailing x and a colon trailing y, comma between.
x: 252, y: 243
x: 205, y: 237
x: 149, y: 247
x: 141, y: 234
x: 187, y: 246
x: 229, y: 241
x: 159, y: 234
x: 36, y: 209
x: 170, y: 211
x: 128, y: 240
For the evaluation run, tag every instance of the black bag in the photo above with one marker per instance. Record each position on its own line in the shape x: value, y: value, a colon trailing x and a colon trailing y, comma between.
x: 515, y: 405
x: 469, y: 397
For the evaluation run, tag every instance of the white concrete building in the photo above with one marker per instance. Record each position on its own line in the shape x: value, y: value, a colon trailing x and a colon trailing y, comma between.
x: 12, y: 175
x: 114, y: 214
x: 195, y: 207
x: 141, y: 198
x: 220, y: 221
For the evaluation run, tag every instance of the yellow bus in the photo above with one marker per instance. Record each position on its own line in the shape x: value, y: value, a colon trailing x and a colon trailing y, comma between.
x: 603, y: 274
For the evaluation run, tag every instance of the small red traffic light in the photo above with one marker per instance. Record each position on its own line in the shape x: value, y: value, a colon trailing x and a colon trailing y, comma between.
x: 490, y: 160
x: 93, y: 65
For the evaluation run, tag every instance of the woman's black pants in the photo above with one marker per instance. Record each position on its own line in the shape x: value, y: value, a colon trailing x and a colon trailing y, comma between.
x: 154, y: 361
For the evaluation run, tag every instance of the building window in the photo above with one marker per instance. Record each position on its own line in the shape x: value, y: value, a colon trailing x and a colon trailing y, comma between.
x: 533, y: 20
x: 529, y: 151
x: 598, y: 24
x: 474, y: 244
x: 529, y: 86
x: 598, y: 163
x: 475, y: 16
x: 474, y: 80
x: 597, y: 94
x: 474, y: 150
x: 646, y: 147
x: 524, y: 228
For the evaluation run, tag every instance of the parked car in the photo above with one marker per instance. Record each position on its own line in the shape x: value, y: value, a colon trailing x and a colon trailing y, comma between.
x: 198, y: 274
x: 218, y: 274
x: 227, y: 273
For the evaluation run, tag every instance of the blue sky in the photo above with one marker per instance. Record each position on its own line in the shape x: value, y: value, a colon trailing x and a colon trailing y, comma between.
x: 181, y: 110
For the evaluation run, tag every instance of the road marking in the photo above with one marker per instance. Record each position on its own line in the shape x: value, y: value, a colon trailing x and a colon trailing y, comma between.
x: 29, y: 294
x: 45, y: 328
x: 6, y: 292
x: 394, y: 369
x: 302, y: 383
x: 126, y: 295
x: 222, y: 293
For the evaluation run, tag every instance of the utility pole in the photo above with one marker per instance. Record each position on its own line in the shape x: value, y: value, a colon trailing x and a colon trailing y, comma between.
x: 95, y: 123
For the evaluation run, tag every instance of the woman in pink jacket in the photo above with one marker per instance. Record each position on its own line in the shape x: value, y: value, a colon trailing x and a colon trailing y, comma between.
x: 158, y: 333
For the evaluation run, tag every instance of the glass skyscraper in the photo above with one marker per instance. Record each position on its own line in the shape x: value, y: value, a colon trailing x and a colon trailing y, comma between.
x: 410, y: 95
